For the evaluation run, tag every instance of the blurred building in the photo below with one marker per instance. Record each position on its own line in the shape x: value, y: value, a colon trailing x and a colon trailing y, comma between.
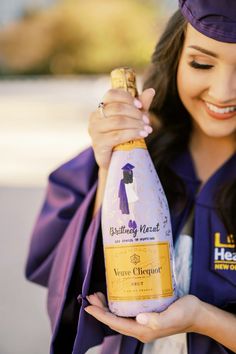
x: 13, y: 9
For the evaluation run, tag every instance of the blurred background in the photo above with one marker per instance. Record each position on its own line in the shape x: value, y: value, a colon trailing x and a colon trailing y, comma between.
x: 55, y: 59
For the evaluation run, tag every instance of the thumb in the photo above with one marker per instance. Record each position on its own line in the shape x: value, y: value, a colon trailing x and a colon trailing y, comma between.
x: 152, y: 320
x: 146, y: 98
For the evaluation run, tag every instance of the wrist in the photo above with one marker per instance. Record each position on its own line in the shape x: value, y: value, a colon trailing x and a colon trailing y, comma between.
x: 201, y: 318
x: 103, y: 171
x: 102, y: 174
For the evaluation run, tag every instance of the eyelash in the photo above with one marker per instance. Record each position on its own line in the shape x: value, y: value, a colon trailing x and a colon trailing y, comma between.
x: 196, y: 65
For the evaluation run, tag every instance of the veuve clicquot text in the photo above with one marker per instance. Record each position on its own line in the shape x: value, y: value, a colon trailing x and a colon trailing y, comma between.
x: 137, y: 235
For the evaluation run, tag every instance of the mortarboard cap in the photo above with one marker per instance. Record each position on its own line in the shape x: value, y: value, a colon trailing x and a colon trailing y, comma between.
x: 213, y: 18
x: 127, y: 167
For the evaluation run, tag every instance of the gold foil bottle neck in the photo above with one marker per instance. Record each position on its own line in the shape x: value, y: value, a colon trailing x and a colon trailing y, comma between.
x: 125, y: 79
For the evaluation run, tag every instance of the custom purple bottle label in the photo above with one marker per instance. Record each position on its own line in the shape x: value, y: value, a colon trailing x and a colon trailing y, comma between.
x: 137, y: 235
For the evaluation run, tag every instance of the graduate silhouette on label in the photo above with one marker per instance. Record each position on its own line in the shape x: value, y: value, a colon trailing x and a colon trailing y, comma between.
x: 128, y: 193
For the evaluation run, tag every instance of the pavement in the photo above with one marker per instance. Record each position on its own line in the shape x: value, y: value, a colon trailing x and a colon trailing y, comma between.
x: 43, y: 123
x: 24, y: 325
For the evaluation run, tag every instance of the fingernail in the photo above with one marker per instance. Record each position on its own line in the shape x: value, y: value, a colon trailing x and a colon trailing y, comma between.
x: 148, y: 129
x: 142, y: 319
x: 146, y: 119
x: 143, y: 133
x: 137, y: 103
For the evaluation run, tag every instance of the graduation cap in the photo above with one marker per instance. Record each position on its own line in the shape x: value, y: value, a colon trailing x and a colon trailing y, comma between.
x: 213, y: 18
x: 128, y: 167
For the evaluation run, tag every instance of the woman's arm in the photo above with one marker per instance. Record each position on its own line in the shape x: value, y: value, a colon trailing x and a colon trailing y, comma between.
x: 217, y: 324
x: 102, y: 176
x: 188, y: 314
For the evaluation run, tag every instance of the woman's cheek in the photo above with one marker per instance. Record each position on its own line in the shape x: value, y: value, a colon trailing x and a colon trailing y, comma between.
x: 191, y: 85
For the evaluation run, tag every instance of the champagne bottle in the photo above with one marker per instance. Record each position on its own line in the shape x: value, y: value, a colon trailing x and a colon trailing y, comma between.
x: 137, y: 236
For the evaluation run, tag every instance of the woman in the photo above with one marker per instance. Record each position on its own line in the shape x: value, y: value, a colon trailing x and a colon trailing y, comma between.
x: 193, y: 112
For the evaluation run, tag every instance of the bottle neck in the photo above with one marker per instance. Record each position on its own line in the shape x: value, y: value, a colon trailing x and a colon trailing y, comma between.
x: 130, y: 145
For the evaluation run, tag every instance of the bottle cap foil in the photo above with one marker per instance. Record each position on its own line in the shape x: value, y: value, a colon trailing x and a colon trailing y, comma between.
x: 125, y: 79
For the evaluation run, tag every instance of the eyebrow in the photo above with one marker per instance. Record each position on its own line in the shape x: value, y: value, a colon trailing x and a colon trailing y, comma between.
x: 205, y: 51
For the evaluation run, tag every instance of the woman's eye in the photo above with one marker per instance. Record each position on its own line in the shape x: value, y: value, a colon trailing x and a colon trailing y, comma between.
x: 197, y: 65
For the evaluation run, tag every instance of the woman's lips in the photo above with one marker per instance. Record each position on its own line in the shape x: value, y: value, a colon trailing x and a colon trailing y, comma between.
x: 218, y: 115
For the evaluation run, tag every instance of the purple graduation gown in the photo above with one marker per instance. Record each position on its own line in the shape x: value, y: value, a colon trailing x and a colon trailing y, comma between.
x: 66, y: 254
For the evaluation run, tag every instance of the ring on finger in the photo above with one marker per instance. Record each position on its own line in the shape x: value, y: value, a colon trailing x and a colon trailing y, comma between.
x: 101, y: 109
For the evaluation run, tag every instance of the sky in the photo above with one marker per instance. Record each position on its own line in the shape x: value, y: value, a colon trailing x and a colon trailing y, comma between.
x: 12, y: 9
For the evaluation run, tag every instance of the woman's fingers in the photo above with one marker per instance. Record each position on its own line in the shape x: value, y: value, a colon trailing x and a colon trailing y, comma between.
x: 179, y: 317
x: 122, y: 325
x: 117, y: 137
x: 125, y: 118
x: 96, y: 300
x: 151, y: 320
x: 118, y: 95
x: 102, y: 297
x: 120, y: 122
x: 146, y: 98
x: 119, y: 117
x: 117, y: 108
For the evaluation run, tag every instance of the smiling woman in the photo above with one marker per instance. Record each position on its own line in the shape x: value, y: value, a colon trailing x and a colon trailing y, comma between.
x: 206, y: 84
x: 190, y: 94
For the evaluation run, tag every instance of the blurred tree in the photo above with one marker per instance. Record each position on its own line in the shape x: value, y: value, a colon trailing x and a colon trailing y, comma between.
x: 78, y: 36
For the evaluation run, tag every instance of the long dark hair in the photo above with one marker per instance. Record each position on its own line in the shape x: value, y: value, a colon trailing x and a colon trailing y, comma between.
x: 175, y: 126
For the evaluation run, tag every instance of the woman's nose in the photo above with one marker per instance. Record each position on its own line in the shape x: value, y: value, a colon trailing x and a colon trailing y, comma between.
x: 223, y: 87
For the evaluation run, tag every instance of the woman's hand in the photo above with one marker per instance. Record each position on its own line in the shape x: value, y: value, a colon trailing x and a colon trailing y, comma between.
x: 126, y: 119
x: 181, y: 316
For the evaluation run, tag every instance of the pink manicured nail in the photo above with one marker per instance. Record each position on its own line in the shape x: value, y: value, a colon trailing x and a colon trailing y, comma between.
x: 146, y: 119
x: 143, y: 133
x: 137, y: 103
x: 148, y: 129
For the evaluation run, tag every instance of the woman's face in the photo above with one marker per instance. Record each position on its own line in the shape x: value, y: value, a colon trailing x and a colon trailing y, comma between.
x: 206, y: 81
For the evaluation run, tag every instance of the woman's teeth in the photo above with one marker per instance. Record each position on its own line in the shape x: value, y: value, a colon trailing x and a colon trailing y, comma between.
x: 220, y: 110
